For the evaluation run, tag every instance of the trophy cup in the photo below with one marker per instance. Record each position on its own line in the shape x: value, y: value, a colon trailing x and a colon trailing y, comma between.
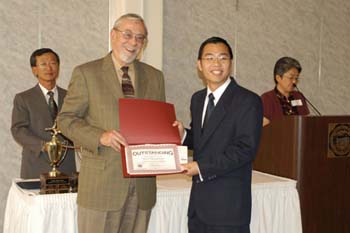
x: 55, y: 181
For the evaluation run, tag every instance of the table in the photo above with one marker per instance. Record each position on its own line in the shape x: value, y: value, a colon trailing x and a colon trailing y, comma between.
x: 275, y: 208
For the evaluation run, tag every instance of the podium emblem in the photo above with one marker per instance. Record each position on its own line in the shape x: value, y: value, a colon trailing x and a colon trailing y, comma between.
x: 338, y: 140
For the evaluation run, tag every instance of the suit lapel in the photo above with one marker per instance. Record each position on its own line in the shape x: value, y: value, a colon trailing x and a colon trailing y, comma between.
x: 197, y: 112
x: 44, y: 109
x: 110, y: 76
x: 215, y: 119
x: 42, y: 99
x: 218, y: 114
x: 61, y: 95
x: 140, y: 80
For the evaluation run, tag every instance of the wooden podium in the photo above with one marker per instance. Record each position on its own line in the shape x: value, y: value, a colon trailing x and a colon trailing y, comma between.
x: 315, y: 151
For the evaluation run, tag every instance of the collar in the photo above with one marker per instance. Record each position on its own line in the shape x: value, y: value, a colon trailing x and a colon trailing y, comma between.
x: 44, y: 90
x: 118, y: 66
x: 219, y: 91
x: 281, y: 96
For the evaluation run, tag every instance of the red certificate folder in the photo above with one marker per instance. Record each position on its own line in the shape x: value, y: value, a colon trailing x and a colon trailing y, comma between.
x: 146, y: 122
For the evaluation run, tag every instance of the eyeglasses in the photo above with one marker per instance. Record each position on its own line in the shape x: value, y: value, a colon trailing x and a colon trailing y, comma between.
x: 221, y: 59
x: 291, y: 78
x: 46, y: 64
x: 128, y: 35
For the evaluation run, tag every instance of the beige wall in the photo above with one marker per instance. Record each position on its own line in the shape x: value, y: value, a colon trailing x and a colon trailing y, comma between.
x: 76, y: 30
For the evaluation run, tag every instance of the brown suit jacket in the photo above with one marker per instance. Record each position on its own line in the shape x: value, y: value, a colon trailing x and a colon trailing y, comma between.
x: 30, y: 117
x: 91, y: 108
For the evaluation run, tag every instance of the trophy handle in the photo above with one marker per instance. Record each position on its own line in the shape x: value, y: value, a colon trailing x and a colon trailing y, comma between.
x: 44, y: 150
x: 66, y: 147
x: 56, y: 150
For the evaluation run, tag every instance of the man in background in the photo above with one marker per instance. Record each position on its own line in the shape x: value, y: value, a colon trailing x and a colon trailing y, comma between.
x: 224, y: 135
x: 36, y: 109
x: 107, y: 201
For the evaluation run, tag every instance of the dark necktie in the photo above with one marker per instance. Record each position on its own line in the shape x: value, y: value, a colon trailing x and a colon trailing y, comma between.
x: 52, y: 105
x: 210, y: 108
x: 128, y: 89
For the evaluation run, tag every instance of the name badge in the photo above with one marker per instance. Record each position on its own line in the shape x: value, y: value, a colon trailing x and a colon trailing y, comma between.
x: 296, y: 103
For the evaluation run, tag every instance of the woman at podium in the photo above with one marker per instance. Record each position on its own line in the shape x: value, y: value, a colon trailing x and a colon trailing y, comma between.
x: 284, y: 100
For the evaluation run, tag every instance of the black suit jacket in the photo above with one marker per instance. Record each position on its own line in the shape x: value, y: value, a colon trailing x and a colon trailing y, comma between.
x: 224, y: 151
x: 30, y: 117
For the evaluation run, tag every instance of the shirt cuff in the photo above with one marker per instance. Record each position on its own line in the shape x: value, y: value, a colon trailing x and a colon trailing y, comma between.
x: 200, y: 174
x: 184, y: 137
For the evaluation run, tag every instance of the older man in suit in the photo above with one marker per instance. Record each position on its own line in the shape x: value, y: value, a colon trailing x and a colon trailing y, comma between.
x: 33, y: 111
x: 224, y: 135
x: 108, y: 202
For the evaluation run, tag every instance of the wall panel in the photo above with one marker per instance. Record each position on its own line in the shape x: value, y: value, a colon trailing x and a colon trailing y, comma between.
x: 77, y: 30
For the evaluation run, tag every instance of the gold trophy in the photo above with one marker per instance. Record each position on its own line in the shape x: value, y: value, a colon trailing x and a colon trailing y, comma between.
x: 55, y: 181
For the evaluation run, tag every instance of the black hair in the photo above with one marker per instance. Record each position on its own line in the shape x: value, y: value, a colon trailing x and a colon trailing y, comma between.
x: 283, y: 65
x: 40, y: 52
x: 214, y: 40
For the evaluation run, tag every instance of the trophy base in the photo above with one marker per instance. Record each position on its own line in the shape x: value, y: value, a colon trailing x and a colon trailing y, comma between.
x: 54, y: 184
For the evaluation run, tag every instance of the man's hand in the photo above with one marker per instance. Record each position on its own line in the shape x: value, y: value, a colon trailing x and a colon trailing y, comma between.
x: 180, y: 127
x: 190, y: 168
x: 113, y: 139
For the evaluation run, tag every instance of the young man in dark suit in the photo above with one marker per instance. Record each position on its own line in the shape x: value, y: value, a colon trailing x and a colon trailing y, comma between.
x: 31, y: 114
x: 224, y: 135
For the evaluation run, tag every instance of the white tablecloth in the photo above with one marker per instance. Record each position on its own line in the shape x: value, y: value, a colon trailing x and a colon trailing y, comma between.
x: 275, y: 208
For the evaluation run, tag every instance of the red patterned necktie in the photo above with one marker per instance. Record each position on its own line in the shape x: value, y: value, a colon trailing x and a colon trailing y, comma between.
x: 127, y: 87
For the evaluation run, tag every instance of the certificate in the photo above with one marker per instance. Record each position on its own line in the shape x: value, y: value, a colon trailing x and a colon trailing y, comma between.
x: 147, y: 122
x: 153, y: 159
x: 153, y: 142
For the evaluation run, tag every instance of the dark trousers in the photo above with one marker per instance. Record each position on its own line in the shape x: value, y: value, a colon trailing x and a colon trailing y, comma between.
x: 195, y: 225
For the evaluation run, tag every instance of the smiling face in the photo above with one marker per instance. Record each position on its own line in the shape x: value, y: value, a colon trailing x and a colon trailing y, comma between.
x: 46, y: 70
x: 125, y: 40
x: 215, y: 64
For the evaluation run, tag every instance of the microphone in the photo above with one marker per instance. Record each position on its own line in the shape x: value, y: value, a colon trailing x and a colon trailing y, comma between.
x: 313, y: 107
